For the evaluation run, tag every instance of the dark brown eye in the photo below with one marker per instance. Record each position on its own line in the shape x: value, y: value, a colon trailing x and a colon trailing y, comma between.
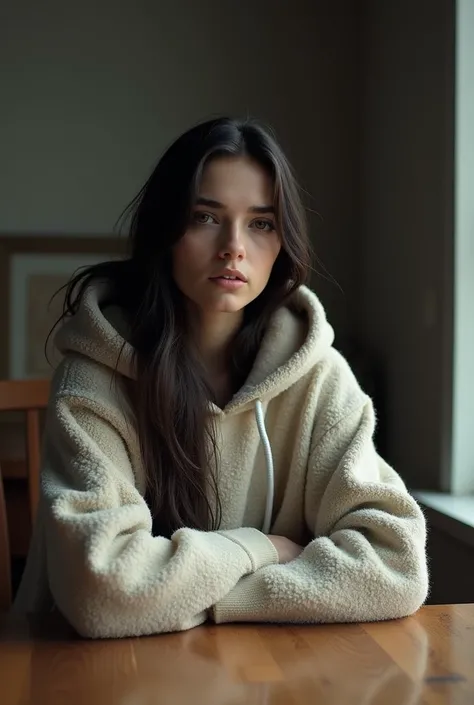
x: 202, y: 218
x: 263, y: 225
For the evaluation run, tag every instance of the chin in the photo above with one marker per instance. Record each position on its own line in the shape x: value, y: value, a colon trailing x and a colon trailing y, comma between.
x: 226, y: 304
x: 227, y: 308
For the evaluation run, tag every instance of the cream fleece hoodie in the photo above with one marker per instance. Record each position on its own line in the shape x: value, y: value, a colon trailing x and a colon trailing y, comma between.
x: 296, y: 459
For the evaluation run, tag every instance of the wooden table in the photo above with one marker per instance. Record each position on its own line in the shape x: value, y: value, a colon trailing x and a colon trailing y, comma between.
x: 428, y: 658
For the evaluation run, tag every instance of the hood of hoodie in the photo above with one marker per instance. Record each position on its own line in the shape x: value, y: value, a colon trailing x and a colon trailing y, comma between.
x: 297, y: 337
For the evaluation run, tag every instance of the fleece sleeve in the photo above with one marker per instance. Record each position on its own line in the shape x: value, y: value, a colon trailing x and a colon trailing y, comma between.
x: 108, y: 575
x: 367, y: 561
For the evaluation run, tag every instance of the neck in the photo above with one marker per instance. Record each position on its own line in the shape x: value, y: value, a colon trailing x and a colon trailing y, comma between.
x: 214, y: 336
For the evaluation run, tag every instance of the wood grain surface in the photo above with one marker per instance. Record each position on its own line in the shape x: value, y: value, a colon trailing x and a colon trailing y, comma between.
x: 424, y: 659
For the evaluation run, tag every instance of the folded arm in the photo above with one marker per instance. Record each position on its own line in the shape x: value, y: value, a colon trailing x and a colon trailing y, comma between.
x: 367, y: 561
x: 108, y: 575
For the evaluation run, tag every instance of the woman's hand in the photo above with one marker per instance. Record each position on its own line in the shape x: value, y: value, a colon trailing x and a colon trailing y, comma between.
x: 287, y: 550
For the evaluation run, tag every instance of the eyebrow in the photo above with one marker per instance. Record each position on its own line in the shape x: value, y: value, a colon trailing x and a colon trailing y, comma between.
x: 201, y: 201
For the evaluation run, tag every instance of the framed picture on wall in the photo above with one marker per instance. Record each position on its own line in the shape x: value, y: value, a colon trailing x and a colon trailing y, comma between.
x: 36, y: 268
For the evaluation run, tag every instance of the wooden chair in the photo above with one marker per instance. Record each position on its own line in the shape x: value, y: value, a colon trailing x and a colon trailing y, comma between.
x: 31, y: 397
x: 5, y: 566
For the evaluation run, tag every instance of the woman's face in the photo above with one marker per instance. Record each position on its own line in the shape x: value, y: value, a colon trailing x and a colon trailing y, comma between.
x: 225, y: 258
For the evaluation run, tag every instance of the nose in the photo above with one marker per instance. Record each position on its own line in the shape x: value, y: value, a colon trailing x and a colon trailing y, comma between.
x: 232, y: 245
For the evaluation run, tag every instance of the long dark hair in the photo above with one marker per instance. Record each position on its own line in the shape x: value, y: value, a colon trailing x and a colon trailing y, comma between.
x: 170, y: 394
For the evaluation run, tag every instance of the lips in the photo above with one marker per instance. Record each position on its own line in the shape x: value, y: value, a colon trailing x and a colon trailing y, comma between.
x: 231, y: 275
x: 229, y: 279
x: 228, y: 284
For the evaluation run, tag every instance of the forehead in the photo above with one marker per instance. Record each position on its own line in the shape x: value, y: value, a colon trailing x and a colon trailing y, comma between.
x: 236, y: 182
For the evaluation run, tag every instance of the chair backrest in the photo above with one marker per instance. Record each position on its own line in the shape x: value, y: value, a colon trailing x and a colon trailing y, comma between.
x: 5, y: 569
x: 31, y: 397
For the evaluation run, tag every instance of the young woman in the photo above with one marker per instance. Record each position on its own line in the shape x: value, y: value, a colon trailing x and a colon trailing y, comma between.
x: 208, y: 453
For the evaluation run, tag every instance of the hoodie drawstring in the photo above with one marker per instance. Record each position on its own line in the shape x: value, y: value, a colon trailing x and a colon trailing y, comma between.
x: 269, y: 463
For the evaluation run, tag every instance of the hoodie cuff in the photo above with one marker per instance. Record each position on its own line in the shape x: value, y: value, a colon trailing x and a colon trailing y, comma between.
x: 257, y: 545
x: 246, y: 602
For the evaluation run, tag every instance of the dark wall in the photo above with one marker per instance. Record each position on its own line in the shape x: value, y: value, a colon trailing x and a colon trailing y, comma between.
x: 450, y: 562
x: 404, y: 307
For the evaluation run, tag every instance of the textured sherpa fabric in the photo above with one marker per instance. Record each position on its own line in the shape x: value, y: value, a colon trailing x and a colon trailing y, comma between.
x: 93, y: 555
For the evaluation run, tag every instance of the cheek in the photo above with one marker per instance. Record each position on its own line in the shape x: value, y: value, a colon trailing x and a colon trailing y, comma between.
x: 276, y: 250
x: 184, y: 248
x: 262, y: 263
x: 270, y: 255
x: 187, y: 254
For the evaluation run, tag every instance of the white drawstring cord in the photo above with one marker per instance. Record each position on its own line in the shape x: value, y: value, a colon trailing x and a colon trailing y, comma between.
x: 269, y: 462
